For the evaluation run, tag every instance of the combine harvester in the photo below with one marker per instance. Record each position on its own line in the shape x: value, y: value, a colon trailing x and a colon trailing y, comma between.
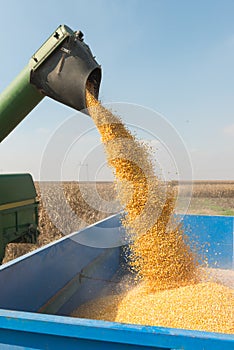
x: 41, y: 289
x: 60, y: 69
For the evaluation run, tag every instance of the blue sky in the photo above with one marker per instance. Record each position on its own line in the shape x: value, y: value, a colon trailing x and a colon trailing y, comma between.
x: 173, y: 56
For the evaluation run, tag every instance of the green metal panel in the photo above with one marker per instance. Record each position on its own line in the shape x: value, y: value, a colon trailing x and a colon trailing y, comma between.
x: 16, y: 188
x: 19, y: 224
x: 9, y: 220
x: 17, y: 101
x: 16, y: 222
x: 59, y: 35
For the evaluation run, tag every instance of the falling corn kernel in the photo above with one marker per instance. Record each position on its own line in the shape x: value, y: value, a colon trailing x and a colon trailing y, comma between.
x: 159, y: 251
x: 170, y: 292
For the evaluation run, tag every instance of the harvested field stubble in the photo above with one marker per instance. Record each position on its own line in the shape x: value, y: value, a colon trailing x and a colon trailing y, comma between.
x: 207, y: 199
x: 80, y: 197
x: 213, y: 189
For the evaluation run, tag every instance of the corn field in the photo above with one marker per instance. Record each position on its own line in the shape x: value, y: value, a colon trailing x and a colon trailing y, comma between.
x: 208, y: 198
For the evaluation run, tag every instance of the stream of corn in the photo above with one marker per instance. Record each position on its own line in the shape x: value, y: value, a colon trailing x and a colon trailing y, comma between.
x: 171, y: 289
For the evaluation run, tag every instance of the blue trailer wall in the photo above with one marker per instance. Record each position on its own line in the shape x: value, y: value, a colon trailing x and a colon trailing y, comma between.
x: 54, y: 278
x: 30, y: 282
x: 212, y: 237
x: 34, y: 331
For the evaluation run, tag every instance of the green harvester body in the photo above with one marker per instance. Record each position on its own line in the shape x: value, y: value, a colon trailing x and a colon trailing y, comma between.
x: 18, y: 210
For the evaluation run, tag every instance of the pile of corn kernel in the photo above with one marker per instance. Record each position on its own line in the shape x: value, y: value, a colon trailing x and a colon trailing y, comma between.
x: 169, y: 292
x: 206, y: 306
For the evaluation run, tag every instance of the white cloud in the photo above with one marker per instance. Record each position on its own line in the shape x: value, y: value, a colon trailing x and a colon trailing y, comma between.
x: 229, y: 130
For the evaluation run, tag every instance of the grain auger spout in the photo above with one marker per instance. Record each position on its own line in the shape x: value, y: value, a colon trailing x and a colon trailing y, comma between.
x: 60, y: 69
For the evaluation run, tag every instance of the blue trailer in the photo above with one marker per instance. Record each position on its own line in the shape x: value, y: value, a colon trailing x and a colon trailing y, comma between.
x: 41, y: 289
